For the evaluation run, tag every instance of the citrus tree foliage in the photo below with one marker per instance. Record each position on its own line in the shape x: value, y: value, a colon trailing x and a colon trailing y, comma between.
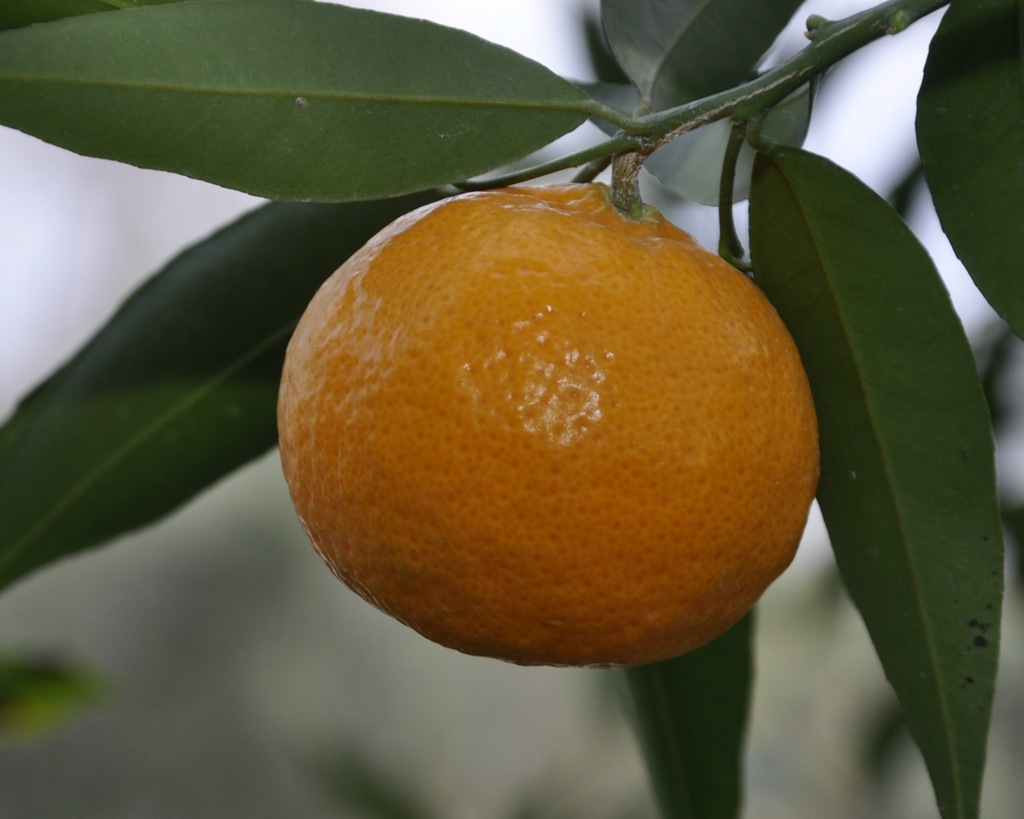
x: 179, y: 388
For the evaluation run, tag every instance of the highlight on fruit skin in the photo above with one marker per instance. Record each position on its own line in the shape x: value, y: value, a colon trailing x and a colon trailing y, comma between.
x: 533, y: 429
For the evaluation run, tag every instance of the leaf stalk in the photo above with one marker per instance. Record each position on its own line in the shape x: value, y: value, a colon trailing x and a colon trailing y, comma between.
x: 730, y: 247
x: 830, y: 42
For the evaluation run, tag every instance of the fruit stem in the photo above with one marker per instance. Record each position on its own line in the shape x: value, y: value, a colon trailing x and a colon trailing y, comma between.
x: 626, y: 183
x: 594, y: 153
x: 590, y: 171
x: 730, y: 247
x: 830, y: 42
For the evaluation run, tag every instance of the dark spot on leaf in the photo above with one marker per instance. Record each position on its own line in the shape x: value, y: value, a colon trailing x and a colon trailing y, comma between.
x: 969, y: 680
x: 980, y: 641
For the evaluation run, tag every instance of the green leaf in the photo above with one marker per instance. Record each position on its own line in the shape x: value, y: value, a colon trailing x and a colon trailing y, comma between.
x: 176, y: 391
x: 17, y: 13
x: 970, y: 129
x: 903, y: 192
x: 679, y: 50
x: 691, y: 715
x: 37, y: 695
x: 602, y: 62
x: 292, y: 101
x: 907, y: 486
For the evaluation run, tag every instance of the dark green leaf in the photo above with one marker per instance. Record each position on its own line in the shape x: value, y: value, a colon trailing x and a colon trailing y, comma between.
x: 902, y: 194
x: 177, y: 390
x: 680, y: 50
x: 293, y: 101
x: 907, y: 486
x: 691, y: 715
x: 605, y: 67
x: 970, y: 129
x: 17, y: 13
x: 37, y: 695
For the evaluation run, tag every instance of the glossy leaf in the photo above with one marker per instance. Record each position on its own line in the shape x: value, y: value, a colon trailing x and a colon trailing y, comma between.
x: 691, y: 716
x: 970, y: 129
x: 176, y: 391
x: 907, y: 488
x: 292, y: 101
x: 680, y: 50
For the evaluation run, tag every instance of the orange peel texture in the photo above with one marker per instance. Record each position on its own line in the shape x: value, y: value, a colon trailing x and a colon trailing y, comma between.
x: 533, y: 429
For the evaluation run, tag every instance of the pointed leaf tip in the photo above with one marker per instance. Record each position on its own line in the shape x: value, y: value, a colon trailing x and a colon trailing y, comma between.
x: 908, y: 485
x: 327, y: 113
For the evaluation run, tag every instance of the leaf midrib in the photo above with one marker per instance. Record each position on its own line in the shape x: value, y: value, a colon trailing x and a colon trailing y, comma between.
x: 898, y: 515
x: 146, y: 433
x: 582, y: 106
x: 684, y: 31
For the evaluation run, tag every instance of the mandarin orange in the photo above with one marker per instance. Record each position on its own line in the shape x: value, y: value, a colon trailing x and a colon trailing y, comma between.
x: 534, y: 429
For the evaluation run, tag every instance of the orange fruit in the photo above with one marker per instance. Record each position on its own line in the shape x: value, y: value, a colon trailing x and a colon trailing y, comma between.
x: 533, y: 429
